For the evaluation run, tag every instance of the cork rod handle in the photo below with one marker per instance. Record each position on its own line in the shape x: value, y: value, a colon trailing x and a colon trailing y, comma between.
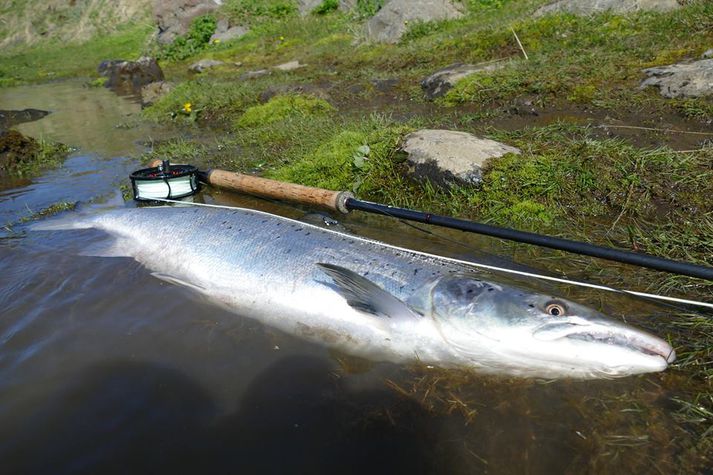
x: 273, y: 189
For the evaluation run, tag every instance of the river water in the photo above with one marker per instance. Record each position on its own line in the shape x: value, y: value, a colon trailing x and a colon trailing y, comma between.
x: 106, y: 369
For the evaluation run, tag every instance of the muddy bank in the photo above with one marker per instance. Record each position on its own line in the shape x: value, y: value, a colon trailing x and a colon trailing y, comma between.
x: 10, y: 118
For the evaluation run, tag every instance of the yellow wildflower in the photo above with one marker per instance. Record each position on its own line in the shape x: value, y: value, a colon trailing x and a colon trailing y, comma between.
x: 282, y: 38
x: 216, y: 41
x: 187, y: 107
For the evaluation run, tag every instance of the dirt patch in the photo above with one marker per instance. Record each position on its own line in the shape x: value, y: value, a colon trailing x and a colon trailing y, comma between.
x: 16, y: 150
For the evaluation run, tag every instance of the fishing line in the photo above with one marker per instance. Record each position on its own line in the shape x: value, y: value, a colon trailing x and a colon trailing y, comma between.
x: 475, y: 264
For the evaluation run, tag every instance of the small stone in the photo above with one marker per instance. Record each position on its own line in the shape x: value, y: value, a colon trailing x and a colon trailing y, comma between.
x: 204, y: 64
x: 708, y: 54
x: 151, y: 93
x: 229, y: 34
x: 255, y: 74
x: 682, y: 79
x: 438, y: 83
x: 289, y: 66
x: 444, y: 157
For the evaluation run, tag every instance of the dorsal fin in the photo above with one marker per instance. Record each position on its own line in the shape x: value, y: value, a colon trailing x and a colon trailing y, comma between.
x: 362, y: 294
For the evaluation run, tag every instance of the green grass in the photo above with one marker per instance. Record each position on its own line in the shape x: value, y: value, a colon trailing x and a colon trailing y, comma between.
x: 56, y: 60
x: 282, y: 107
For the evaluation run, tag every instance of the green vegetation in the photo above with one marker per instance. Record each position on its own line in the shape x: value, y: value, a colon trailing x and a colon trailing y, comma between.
x: 256, y: 12
x: 193, y: 42
x: 54, y: 60
x: 327, y: 6
x: 282, y: 107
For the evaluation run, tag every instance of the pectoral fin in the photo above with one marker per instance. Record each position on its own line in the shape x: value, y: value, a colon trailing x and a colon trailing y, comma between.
x: 364, y: 295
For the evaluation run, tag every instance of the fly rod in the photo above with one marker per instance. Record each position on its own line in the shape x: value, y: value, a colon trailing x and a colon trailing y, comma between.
x: 344, y: 202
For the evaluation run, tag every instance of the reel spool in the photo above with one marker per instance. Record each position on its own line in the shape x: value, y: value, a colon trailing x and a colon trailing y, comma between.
x: 165, y: 181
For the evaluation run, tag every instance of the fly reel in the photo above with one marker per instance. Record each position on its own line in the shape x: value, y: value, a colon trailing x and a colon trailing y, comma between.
x: 165, y: 181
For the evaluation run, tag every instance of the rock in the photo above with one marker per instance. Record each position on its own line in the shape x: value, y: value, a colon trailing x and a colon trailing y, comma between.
x: 130, y: 76
x: 594, y: 6
x: 289, y: 66
x: 708, y: 54
x: 391, y: 22
x: 305, y: 7
x: 385, y: 86
x: 302, y: 89
x: 682, y: 79
x: 15, y: 150
x: 229, y: 34
x: 204, y: 64
x: 9, y: 118
x: 151, y: 93
x: 347, y: 5
x: 254, y: 74
x: 438, y: 83
x: 174, y: 17
x: 444, y: 157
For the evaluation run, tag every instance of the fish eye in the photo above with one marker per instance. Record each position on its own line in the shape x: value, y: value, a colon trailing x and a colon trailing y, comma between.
x: 555, y: 309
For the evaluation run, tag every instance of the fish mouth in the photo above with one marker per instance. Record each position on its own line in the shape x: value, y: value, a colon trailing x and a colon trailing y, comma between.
x: 634, y: 340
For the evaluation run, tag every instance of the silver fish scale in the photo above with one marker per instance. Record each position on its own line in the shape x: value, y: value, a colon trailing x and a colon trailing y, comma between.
x: 274, y: 248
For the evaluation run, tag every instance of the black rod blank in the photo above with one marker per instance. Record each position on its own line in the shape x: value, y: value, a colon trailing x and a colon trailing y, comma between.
x: 638, y: 259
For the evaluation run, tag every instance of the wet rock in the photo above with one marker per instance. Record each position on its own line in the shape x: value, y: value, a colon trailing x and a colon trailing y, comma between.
x: 438, y: 83
x: 130, y: 76
x: 8, y: 118
x: 708, y: 54
x: 303, y: 89
x: 682, y: 79
x: 391, y: 22
x: 289, y: 66
x: 151, y: 93
x: 174, y: 17
x: 204, y: 64
x: 225, y: 33
x: 254, y: 74
x: 444, y: 157
x: 16, y: 150
x: 594, y: 6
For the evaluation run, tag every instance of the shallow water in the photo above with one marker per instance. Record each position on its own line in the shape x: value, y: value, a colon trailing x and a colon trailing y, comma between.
x: 105, y: 368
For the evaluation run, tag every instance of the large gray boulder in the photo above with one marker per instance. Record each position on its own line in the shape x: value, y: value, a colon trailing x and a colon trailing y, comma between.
x: 438, y: 83
x: 174, y: 17
x: 444, y: 157
x: 682, y: 79
x: 583, y: 7
x: 391, y: 22
x: 130, y: 76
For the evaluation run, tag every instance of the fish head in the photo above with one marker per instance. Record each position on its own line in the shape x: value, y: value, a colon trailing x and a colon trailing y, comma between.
x: 536, y: 334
